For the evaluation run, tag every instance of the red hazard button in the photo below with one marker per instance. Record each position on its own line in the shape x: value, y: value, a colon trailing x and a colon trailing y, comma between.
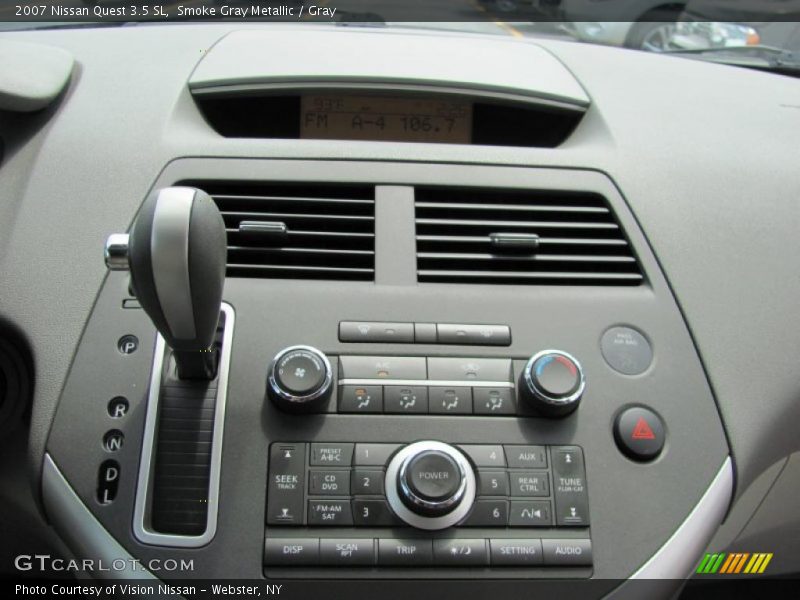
x: 639, y: 433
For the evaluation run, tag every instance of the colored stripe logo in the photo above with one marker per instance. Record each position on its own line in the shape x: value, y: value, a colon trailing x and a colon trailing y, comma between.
x: 734, y: 562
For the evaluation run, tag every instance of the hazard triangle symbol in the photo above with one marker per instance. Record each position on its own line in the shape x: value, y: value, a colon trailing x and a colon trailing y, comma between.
x: 642, y: 431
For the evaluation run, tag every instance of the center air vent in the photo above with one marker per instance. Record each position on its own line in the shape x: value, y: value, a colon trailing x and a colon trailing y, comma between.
x: 520, y: 237
x: 294, y: 231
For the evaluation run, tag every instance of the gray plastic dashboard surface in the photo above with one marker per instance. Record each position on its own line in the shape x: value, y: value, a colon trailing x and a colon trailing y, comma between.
x: 704, y: 154
x: 635, y: 508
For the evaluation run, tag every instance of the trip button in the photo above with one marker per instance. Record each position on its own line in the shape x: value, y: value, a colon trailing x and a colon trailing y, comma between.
x: 516, y: 552
x: 361, y: 399
x: 329, y: 483
x: 493, y: 401
x: 450, y: 400
x: 530, y: 514
x: 460, y: 553
x: 530, y: 483
x: 568, y: 552
x: 347, y: 552
x: 398, y: 399
x: 405, y: 553
x: 291, y: 551
x: 331, y: 513
x: 331, y: 455
x: 526, y: 457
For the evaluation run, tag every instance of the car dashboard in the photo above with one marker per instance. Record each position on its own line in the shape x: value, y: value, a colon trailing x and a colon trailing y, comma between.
x: 496, y: 312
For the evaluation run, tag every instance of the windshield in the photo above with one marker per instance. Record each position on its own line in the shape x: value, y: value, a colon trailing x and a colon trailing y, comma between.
x: 760, y: 33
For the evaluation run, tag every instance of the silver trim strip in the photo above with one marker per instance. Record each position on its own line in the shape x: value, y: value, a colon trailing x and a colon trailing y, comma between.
x: 169, y: 251
x: 82, y: 532
x: 141, y: 512
x: 419, y: 521
x: 427, y: 382
x: 677, y: 558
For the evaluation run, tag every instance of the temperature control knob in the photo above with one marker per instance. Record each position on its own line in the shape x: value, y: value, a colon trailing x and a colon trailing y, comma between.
x: 430, y: 485
x: 300, y: 379
x: 552, y: 383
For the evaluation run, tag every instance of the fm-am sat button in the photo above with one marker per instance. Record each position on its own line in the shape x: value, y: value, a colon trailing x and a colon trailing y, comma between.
x: 376, y: 331
x: 331, y: 513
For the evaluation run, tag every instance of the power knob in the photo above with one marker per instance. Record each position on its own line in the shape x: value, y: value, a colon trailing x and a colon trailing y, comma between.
x: 430, y: 485
x: 552, y: 383
x: 300, y: 379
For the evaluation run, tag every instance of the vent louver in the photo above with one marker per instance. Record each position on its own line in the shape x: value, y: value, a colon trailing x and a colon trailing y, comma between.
x: 297, y: 231
x: 520, y: 237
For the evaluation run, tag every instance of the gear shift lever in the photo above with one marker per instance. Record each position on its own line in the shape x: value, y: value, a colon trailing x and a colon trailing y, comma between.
x: 176, y: 253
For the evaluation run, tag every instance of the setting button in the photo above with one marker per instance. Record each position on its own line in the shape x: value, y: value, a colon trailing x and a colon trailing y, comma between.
x: 568, y: 552
x: 530, y: 483
x: 347, y: 552
x: 405, y: 553
x: 331, y: 455
x: 460, y: 553
x: 516, y: 552
x: 291, y: 551
x: 329, y: 483
x: 331, y: 513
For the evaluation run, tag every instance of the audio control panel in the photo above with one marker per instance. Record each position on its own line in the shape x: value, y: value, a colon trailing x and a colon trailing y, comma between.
x: 388, y: 504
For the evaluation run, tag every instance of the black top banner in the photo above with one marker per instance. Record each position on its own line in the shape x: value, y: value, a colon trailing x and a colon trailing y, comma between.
x: 388, y: 11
